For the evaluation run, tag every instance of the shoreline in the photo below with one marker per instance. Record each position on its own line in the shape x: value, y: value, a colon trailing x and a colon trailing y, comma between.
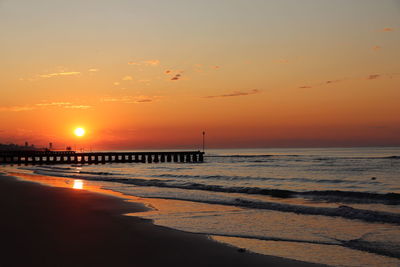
x: 44, y: 226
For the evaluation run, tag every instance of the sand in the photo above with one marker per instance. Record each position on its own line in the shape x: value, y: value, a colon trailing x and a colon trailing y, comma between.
x: 49, y: 226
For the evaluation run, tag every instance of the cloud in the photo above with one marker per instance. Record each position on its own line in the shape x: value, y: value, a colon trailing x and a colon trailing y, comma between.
x: 115, y: 99
x: 373, y: 76
x: 59, y: 104
x: 332, y: 81
x: 236, y: 93
x: 376, y: 48
x: 328, y: 82
x: 144, y: 100
x: 127, y: 78
x: 71, y: 73
x: 388, y: 29
x: 78, y: 106
x: 93, y: 70
x: 67, y: 105
x: 153, y: 62
x: 131, y: 99
x: 175, y: 73
x: 176, y: 77
x: 359, y: 78
x: 16, y: 108
x: 59, y: 73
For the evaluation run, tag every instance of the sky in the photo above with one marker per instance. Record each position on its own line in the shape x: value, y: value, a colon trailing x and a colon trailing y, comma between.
x: 156, y: 74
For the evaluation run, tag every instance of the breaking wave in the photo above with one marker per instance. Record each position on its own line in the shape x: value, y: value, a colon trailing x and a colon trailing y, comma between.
x: 342, y: 211
x: 324, y: 195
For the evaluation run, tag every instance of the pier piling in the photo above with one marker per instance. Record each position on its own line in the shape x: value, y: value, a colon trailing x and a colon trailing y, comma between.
x: 72, y: 157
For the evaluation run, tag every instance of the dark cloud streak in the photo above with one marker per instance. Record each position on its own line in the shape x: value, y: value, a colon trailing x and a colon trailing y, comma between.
x: 176, y: 77
x: 373, y: 76
x: 236, y: 93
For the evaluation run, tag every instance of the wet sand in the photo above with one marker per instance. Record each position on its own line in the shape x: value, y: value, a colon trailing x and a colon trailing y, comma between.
x: 49, y: 226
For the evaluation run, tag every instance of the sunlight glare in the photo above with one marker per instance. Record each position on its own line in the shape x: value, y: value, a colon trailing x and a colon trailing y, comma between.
x: 79, y: 132
x: 78, y: 184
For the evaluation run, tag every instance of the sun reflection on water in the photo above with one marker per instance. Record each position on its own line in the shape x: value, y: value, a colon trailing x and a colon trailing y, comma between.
x: 78, y: 184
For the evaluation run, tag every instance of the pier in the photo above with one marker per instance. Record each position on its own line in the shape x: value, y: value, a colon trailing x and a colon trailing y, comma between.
x: 72, y: 157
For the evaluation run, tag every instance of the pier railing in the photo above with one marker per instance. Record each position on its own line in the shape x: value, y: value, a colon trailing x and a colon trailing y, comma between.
x: 72, y: 157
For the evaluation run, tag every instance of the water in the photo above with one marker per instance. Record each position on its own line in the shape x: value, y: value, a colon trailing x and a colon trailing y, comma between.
x: 334, y: 206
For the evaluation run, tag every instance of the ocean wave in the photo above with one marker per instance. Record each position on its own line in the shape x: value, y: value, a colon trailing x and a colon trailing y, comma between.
x: 75, y: 174
x: 357, y: 244
x: 312, y: 157
x: 239, y: 156
x: 380, y: 248
x: 342, y: 211
x: 332, y: 196
x: 166, y: 168
x: 97, y: 173
x: 67, y: 170
x: 247, y: 178
x: 353, y: 158
x: 55, y: 167
x: 353, y: 197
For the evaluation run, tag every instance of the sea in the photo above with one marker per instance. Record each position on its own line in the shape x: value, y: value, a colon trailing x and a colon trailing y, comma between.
x: 335, y: 206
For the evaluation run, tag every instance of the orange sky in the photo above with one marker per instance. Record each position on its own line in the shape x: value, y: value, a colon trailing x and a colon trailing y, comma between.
x: 152, y: 74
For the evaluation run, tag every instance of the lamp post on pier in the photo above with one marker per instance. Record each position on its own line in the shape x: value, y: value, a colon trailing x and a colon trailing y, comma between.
x: 204, y: 134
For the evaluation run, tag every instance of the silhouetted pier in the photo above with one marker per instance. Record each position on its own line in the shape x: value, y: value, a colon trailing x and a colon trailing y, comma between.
x: 72, y: 157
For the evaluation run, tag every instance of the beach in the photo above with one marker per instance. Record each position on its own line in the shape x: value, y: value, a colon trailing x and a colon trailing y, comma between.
x: 309, y: 205
x: 49, y: 226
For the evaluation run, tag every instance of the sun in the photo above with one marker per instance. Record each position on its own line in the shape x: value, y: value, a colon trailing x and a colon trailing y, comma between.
x: 79, y: 132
